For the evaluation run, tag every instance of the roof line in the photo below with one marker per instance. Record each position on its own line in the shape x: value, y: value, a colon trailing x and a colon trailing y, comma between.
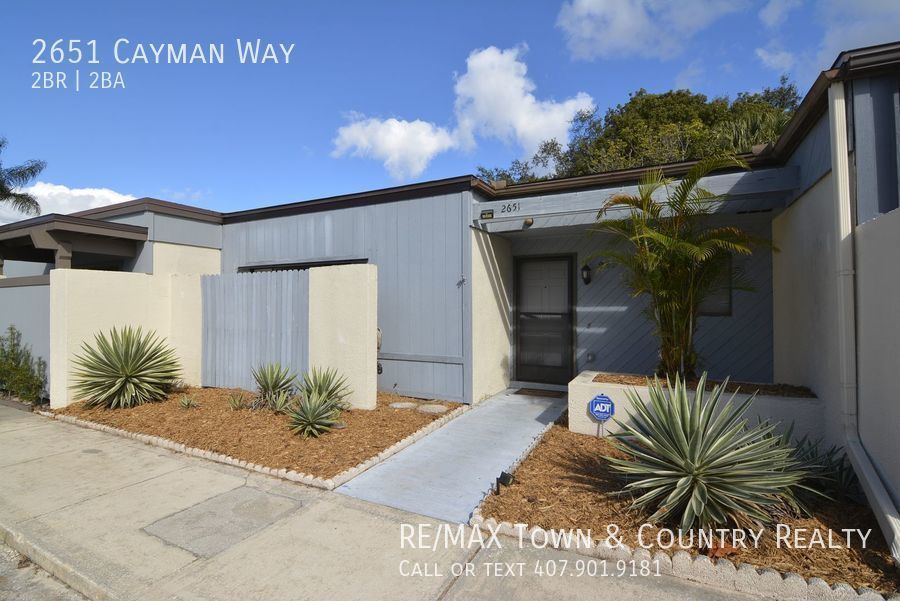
x: 73, y: 219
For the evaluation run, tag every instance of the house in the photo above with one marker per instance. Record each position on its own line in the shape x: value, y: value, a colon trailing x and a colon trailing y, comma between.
x: 480, y: 286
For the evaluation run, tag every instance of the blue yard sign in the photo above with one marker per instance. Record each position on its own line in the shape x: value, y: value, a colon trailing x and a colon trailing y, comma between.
x: 601, y: 407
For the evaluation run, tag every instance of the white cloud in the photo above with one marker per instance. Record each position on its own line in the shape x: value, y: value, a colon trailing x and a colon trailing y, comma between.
x: 644, y: 28
x: 56, y: 198
x: 494, y: 99
x: 779, y: 60
x: 775, y: 12
x: 856, y: 24
x: 405, y: 147
x: 690, y: 76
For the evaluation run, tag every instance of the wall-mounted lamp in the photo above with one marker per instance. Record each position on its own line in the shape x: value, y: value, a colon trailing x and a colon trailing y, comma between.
x: 586, y: 274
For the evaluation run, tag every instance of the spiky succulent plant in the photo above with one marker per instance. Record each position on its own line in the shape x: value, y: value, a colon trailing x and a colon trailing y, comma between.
x: 698, y: 464
x: 126, y: 368
x: 327, y: 383
x: 313, y: 415
x: 272, y: 379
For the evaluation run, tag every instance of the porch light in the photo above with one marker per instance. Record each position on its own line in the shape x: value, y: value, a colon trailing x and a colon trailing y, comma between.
x: 586, y: 273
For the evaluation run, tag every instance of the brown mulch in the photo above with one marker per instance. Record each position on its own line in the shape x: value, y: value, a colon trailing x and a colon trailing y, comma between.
x: 262, y: 436
x: 566, y: 484
x: 788, y: 390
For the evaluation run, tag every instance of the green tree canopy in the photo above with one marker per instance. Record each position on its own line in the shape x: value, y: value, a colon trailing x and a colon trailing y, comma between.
x: 13, y: 179
x: 654, y: 129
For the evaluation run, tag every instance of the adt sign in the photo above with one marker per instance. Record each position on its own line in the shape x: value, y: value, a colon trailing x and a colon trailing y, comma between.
x: 601, y: 407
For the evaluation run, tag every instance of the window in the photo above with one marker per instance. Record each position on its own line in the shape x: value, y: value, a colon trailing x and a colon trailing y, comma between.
x: 718, y: 304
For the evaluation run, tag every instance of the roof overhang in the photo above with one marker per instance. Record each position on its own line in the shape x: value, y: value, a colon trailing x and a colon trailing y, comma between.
x: 52, y: 237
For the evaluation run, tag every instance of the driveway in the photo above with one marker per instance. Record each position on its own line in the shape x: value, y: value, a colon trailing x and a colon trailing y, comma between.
x: 116, y: 519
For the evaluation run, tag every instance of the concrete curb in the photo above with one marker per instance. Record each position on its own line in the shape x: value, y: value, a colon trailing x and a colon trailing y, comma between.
x: 284, y: 474
x: 58, y: 568
x: 721, y: 573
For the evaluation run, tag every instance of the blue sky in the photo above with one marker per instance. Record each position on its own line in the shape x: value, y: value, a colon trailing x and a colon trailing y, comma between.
x: 375, y: 93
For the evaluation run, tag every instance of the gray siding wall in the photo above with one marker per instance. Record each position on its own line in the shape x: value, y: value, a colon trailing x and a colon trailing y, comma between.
x: 812, y: 156
x: 612, y: 326
x: 876, y: 137
x: 418, y: 246
x: 250, y: 319
x: 28, y: 308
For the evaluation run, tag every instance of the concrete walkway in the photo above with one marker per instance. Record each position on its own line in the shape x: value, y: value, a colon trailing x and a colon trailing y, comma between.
x: 446, y: 474
x: 116, y: 519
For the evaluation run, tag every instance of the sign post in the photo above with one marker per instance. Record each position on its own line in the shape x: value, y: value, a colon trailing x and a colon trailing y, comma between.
x: 601, y: 408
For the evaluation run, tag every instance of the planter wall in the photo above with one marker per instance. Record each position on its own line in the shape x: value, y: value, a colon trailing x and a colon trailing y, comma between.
x: 804, y: 413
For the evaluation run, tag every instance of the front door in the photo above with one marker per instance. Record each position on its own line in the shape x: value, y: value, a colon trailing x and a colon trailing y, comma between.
x: 544, y: 320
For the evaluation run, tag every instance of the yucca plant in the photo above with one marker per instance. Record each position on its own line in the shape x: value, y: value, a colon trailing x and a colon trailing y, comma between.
x: 236, y: 401
x: 281, y: 401
x: 126, y: 368
x: 313, y: 416
x: 271, y: 378
x: 187, y: 402
x: 326, y: 383
x: 697, y: 464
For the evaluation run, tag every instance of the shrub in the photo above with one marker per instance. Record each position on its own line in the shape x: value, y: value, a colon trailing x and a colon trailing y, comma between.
x: 236, y: 401
x: 326, y: 383
x: 125, y: 369
x: 21, y: 375
x: 272, y: 378
x: 313, y: 416
x: 695, y: 464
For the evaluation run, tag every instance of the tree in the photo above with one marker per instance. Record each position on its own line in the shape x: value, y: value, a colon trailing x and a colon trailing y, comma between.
x: 13, y: 179
x: 654, y: 129
x: 673, y: 255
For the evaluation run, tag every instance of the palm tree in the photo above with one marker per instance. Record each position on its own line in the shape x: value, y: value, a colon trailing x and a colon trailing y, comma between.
x: 674, y: 255
x: 13, y: 179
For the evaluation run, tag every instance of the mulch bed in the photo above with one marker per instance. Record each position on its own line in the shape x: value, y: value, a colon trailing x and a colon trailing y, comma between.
x: 788, y: 390
x: 566, y: 484
x: 262, y: 436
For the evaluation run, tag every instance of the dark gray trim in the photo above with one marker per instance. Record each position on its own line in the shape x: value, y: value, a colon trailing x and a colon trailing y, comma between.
x: 71, y: 223
x: 301, y: 265
x: 153, y: 205
x: 30, y: 280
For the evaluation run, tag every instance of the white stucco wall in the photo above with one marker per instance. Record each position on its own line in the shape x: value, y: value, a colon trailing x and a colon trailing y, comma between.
x: 83, y: 303
x: 180, y: 258
x: 805, y: 301
x: 492, y: 294
x: 804, y: 413
x: 343, y: 322
x: 878, y: 343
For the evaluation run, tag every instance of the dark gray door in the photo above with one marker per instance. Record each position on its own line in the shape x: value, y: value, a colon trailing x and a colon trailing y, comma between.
x: 544, y: 320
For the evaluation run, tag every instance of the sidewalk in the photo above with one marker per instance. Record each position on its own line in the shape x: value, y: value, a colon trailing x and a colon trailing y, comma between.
x: 446, y: 474
x: 115, y: 519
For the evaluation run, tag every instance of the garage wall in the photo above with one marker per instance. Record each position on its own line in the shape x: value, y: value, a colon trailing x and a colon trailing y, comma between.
x: 28, y: 309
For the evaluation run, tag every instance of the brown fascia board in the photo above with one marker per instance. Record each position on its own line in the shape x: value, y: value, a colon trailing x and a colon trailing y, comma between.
x: 153, y: 205
x: 432, y: 188
x: 56, y: 222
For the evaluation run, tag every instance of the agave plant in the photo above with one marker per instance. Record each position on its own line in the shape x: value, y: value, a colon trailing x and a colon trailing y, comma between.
x: 281, y: 401
x: 326, y: 383
x: 187, y: 402
x: 236, y: 401
x: 313, y: 416
x: 126, y: 368
x: 271, y: 379
x: 701, y: 465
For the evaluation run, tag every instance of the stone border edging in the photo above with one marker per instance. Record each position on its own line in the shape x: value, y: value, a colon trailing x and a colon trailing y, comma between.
x: 722, y: 573
x: 284, y: 474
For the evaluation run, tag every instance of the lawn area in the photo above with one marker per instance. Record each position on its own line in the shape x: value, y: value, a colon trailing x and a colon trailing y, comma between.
x: 565, y: 483
x: 263, y: 436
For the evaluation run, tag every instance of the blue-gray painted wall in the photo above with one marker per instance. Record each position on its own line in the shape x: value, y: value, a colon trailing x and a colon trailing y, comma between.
x: 251, y: 319
x: 421, y: 248
x: 876, y: 145
x: 611, y: 324
x: 812, y: 156
x: 28, y: 309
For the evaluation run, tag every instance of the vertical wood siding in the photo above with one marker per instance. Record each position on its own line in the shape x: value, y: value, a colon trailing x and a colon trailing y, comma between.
x: 418, y: 248
x: 250, y: 319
